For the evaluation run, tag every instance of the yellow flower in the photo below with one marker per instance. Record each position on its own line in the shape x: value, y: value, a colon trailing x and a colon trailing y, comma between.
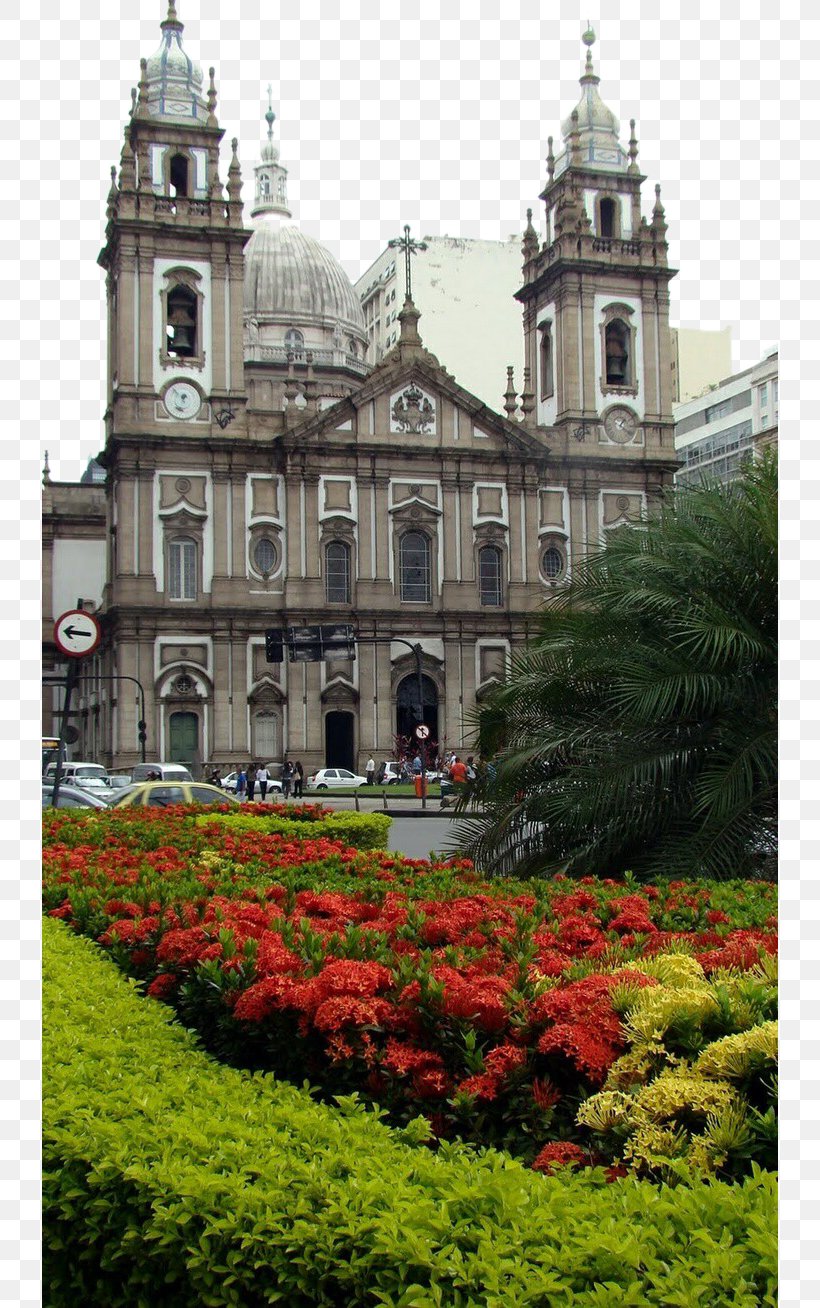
x: 735, y: 1056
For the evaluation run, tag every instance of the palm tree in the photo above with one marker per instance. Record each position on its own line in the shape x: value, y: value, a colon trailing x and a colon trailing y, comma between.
x: 638, y: 731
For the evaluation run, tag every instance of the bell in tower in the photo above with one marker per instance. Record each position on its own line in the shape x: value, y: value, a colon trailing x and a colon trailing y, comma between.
x: 182, y: 323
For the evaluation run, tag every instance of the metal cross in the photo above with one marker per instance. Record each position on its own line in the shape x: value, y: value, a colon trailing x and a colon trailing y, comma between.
x: 410, y: 247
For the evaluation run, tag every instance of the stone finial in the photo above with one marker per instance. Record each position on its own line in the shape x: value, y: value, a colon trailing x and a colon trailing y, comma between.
x: 234, y: 173
x: 529, y: 244
x: 575, y: 141
x: 311, y: 388
x: 128, y: 165
x: 409, y: 321
x: 46, y: 470
x: 211, y: 99
x: 658, y: 213
x: 510, y: 398
x: 141, y: 109
x: 133, y: 108
x: 633, y: 148
x: 111, y: 202
x: 292, y: 389
x: 527, y: 401
x: 550, y: 160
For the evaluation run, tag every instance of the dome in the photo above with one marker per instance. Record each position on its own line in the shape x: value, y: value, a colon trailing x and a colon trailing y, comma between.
x: 290, y: 276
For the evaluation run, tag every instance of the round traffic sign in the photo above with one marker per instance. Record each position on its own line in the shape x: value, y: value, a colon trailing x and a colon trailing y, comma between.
x: 422, y: 731
x: 77, y: 633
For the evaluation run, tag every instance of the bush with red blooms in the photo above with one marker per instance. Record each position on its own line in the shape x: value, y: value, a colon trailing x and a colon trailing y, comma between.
x: 487, y: 1006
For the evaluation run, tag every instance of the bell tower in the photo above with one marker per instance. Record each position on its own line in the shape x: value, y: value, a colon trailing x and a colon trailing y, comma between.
x: 173, y: 259
x: 596, y: 296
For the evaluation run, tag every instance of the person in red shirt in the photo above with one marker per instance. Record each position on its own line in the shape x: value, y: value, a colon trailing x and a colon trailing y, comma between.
x: 458, y: 772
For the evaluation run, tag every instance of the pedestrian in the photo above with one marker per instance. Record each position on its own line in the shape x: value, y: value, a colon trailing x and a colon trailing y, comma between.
x: 470, y: 768
x: 241, y: 783
x: 298, y: 780
x: 458, y: 772
x: 262, y: 779
x: 287, y: 778
x: 370, y: 771
x: 250, y: 773
x: 215, y: 778
x: 417, y: 766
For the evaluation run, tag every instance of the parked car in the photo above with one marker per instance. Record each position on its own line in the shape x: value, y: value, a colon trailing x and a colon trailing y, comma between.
x: 118, y: 781
x: 166, y: 771
x: 334, y: 779
x: 160, y: 794
x: 71, y: 797
x: 88, y: 776
x: 229, y: 783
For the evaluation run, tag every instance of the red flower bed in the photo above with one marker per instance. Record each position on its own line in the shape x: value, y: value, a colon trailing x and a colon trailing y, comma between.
x: 487, y: 1007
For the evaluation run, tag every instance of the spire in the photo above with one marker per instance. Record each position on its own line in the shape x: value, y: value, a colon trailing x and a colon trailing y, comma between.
x: 591, y: 131
x: 271, y: 195
x: 174, y: 82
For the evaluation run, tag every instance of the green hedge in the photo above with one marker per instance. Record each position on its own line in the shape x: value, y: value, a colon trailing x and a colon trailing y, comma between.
x: 169, y: 1180
x: 359, y: 830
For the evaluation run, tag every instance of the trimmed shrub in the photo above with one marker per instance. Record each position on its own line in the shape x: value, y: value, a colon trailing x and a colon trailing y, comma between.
x: 169, y: 1180
x: 356, y: 830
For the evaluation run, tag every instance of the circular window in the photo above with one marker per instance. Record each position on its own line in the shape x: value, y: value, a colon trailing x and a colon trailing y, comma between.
x: 264, y: 555
x: 552, y: 563
x: 184, y: 685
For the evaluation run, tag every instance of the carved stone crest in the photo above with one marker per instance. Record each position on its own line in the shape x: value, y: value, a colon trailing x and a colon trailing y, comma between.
x: 412, y: 413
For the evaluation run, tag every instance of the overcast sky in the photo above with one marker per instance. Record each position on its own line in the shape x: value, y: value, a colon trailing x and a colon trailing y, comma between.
x: 406, y: 117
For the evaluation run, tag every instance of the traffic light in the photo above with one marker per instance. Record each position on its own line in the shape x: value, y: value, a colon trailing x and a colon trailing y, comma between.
x: 274, y: 645
x: 141, y: 729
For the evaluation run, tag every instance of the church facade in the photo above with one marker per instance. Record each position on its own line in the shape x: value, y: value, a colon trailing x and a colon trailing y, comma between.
x: 262, y: 472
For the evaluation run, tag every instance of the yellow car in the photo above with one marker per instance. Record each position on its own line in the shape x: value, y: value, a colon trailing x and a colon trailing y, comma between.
x: 159, y: 794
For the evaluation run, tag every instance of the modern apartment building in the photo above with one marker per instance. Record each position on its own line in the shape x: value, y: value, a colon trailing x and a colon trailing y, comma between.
x: 718, y: 431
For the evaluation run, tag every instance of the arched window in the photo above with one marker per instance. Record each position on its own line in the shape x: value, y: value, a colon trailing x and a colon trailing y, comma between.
x: 337, y: 572
x: 489, y: 575
x: 182, y: 568
x: 545, y: 360
x: 182, y: 322
x: 607, y: 213
x: 618, y: 362
x: 178, y: 175
x: 414, y: 568
x: 294, y: 341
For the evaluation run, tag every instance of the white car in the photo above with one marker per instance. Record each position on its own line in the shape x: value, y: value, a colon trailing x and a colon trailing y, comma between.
x: 229, y: 783
x: 335, y: 779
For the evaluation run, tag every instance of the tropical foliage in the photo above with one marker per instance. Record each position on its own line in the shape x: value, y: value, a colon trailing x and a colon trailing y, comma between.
x: 638, y: 730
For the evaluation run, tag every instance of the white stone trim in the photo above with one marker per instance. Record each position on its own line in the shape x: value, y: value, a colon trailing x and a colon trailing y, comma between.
x: 206, y: 515
x: 491, y: 517
x: 202, y: 376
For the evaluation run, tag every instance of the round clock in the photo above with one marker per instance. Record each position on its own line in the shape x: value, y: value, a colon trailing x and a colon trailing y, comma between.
x: 621, y: 424
x: 182, y: 400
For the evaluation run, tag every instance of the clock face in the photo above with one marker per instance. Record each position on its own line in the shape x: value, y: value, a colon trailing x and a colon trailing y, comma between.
x: 182, y: 400
x: 621, y: 424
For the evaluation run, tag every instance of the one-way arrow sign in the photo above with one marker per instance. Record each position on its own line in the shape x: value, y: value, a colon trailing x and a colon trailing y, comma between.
x: 77, y: 633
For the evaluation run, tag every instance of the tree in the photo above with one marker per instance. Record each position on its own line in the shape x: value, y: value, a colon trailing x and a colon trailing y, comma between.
x: 638, y: 731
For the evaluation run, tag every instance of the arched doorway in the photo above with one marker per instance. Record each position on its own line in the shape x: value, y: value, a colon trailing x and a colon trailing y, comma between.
x: 183, y: 739
x: 339, y: 752
x: 408, y: 716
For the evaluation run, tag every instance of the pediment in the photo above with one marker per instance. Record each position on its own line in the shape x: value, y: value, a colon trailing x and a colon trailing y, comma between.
x: 410, y: 401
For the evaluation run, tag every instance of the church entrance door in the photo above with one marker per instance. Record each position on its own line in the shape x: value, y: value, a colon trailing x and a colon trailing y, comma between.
x: 339, y: 740
x: 183, y: 739
x: 407, y: 707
